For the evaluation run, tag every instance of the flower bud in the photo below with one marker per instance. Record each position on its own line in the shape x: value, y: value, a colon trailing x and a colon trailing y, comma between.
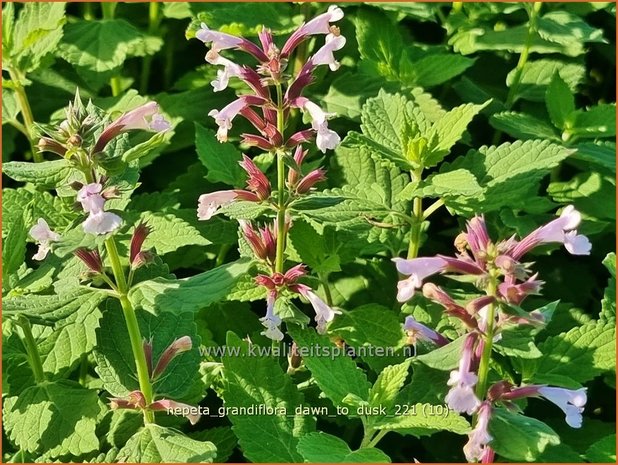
x: 180, y: 345
x: 91, y: 258
x: 137, y: 240
x: 310, y: 180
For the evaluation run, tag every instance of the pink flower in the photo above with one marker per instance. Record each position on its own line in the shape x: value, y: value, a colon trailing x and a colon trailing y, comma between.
x: 257, y: 181
x: 171, y: 407
x: 318, y: 25
x: 561, y: 230
x: 91, y: 199
x: 570, y: 401
x: 461, y: 396
x: 515, y: 293
x: 178, y: 346
x: 209, y: 204
x: 307, y: 182
x: 324, y: 56
x: 479, y: 438
x: 420, y: 331
x: 417, y: 269
x: 145, y: 117
x: 271, y: 321
x: 102, y: 223
x: 222, y: 41
x: 326, y: 139
x: 262, y: 242
x: 224, y: 117
x: 230, y: 69
x: 44, y: 236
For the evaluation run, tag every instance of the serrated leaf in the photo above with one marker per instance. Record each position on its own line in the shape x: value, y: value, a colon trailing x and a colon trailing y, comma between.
x: 58, y: 418
x: 49, y: 309
x: 253, y: 381
x: 598, y: 121
x: 36, y: 33
x: 325, y: 448
x: 523, y: 126
x: 318, y: 251
x: 158, y: 444
x: 560, y: 102
x: 435, y: 69
x: 519, y: 438
x: 444, y: 358
x: 115, y: 362
x: 600, y: 153
x: 14, y: 249
x: 335, y: 373
x: 188, y: 295
x: 581, y: 353
x: 448, y: 130
x: 104, y: 45
x: 221, y: 160
x: 421, y: 419
x: 509, y: 173
x: 39, y: 204
x: 537, y: 75
x: 169, y: 233
x: 456, y: 182
x: 608, y: 304
x: 390, y: 380
x: 47, y: 174
x: 517, y: 342
x: 371, y: 324
x: 222, y: 437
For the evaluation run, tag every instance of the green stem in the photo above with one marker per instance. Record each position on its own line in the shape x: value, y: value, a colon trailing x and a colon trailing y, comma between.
x: 432, y: 208
x: 481, y: 387
x: 88, y: 11
x: 220, y: 260
x: 83, y: 370
x: 135, y: 335
x: 34, y: 358
x: 154, y: 20
x: 521, y: 63
x: 109, y: 10
x: 417, y: 214
x: 377, y: 438
x: 26, y: 112
x: 281, y: 206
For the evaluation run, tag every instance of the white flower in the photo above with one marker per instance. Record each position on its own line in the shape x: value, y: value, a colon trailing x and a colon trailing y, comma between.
x: 90, y: 197
x: 101, y: 223
x: 326, y: 139
x: 44, y: 236
x: 230, y: 69
x: 324, y: 56
x: 220, y: 40
x: 208, y: 204
x: 271, y: 321
x: 224, y: 117
x: 570, y: 401
x: 323, y: 312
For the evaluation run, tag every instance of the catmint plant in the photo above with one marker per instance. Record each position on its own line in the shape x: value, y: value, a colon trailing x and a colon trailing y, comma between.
x: 276, y: 92
x: 499, y: 270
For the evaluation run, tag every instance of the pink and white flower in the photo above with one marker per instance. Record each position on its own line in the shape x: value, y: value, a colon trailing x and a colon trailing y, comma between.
x: 230, y: 69
x: 461, y: 396
x: 209, y: 204
x: 417, y: 269
x: 44, y: 236
x: 318, y: 25
x: 420, y: 331
x: 324, y: 314
x: 271, y: 321
x: 101, y: 223
x: 479, y: 437
x: 324, y: 56
x: 91, y: 198
x: 225, y: 117
x: 326, y: 139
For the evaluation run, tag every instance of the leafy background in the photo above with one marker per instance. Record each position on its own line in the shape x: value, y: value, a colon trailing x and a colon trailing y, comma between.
x: 438, y: 56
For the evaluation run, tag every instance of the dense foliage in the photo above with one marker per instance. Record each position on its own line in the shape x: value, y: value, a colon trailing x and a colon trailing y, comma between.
x: 281, y: 232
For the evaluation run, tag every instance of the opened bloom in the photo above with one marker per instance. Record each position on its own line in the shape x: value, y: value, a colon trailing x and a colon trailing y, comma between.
x: 44, y: 236
x: 461, y: 396
x: 324, y: 314
x: 417, y: 269
x: 271, y: 321
x: 230, y: 69
x: 326, y: 139
x: 419, y: 331
x: 479, y: 438
x: 570, y: 401
x: 324, y: 56
x: 91, y: 197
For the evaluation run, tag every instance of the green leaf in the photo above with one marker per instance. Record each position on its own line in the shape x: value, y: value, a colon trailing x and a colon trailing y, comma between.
x: 523, y: 126
x: 448, y: 130
x: 390, y: 381
x: 47, y: 174
x: 14, y: 248
x: 608, y: 304
x: 39, y: 204
x: 598, y: 121
x: 452, y: 183
x: 560, y: 102
x: 115, y: 362
x: 252, y: 381
x: 317, y: 251
x: 188, y: 295
x: 335, y: 373
x: 444, y: 358
x: 603, y: 451
x: 370, y: 324
x: 49, y: 309
x: 593, y: 193
x: 36, y: 33
x: 170, y: 233
x: 423, y: 419
x: 581, y: 353
x: 222, y: 437
x: 509, y: 173
x: 158, y: 444
x: 517, y: 342
x: 600, y: 153
x: 10, y: 107
x: 537, y: 75
x: 519, y: 438
x: 567, y: 29
x: 104, y: 45
x: 73, y: 338
x: 379, y: 41
x: 57, y: 418
x: 435, y: 69
x: 321, y: 447
x: 221, y: 160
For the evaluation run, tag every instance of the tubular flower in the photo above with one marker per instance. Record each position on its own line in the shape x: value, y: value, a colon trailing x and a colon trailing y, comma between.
x: 571, y: 402
x: 99, y: 222
x: 271, y: 321
x: 461, y: 396
x: 44, y: 236
x: 479, y: 438
x: 318, y: 25
x: 230, y: 69
x: 324, y: 314
x: 417, y: 330
x: 324, y: 56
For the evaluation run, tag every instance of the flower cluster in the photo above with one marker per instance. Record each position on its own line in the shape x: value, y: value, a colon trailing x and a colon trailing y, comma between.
x: 270, y: 71
x: 498, y: 270
x: 275, y: 93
